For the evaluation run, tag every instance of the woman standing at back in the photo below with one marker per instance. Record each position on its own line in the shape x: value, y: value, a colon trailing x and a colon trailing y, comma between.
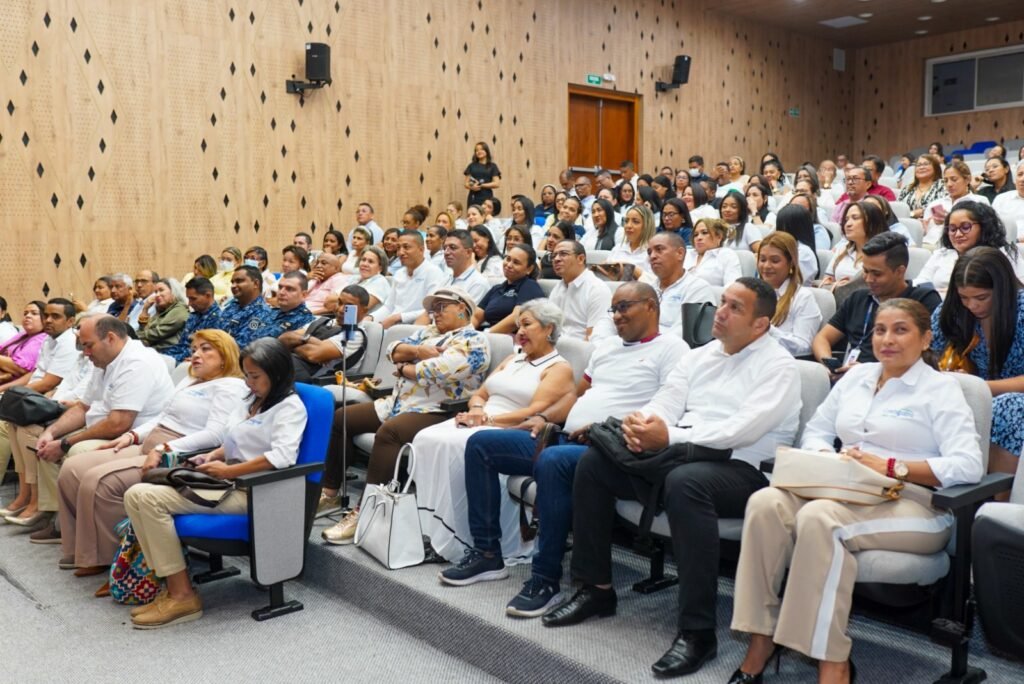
x: 482, y: 175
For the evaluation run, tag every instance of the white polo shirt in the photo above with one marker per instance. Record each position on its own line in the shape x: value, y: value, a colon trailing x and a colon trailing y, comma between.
x: 274, y: 433
x: 58, y: 356
x: 689, y: 289
x: 1010, y: 207
x: 408, y: 291
x: 584, y: 303
x: 718, y: 266
x: 471, y: 281
x: 623, y: 253
x: 624, y: 376
x: 136, y: 380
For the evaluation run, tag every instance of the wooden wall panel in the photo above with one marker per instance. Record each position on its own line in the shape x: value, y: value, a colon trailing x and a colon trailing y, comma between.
x: 889, y: 94
x: 170, y: 121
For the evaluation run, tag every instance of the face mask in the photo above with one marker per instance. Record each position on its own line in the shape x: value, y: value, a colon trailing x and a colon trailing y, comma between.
x: 227, y: 265
x: 694, y: 173
x: 252, y: 262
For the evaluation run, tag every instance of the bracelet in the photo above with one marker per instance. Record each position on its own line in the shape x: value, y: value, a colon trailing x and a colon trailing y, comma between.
x: 134, y: 436
x: 890, y: 467
x: 542, y: 417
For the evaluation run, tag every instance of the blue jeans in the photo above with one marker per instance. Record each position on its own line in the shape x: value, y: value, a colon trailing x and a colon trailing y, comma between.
x: 510, y: 452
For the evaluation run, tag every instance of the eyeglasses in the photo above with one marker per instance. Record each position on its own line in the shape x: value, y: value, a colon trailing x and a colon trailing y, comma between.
x: 670, y: 213
x: 561, y: 254
x: 963, y: 228
x: 855, y: 179
x: 581, y: 185
x: 623, y: 306
x: 438, y: 307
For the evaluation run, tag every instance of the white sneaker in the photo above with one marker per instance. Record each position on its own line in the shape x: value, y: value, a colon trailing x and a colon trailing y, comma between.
x: 344, y: 532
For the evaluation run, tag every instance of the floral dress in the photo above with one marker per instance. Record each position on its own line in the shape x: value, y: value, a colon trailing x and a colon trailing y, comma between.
x: 1007, y: 409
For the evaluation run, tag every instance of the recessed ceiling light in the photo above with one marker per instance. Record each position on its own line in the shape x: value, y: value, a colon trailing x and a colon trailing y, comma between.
x: 865, y: 15
x: 921, y: 32
x: 991, y: 18
x: 926, y: 17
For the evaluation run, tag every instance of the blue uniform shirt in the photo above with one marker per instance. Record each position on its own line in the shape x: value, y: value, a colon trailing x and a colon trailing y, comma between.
x: 210, y: 319
x: 251, y: 322
x: 297, y: 318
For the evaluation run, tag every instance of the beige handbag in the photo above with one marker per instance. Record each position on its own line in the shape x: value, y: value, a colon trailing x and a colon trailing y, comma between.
x: 828, y: 475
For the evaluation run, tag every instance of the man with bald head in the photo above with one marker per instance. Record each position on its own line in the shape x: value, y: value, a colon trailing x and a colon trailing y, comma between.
x: 585, y: 191
x: 327, y: 279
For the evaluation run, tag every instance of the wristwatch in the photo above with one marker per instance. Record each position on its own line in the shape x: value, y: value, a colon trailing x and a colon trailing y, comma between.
x: 897, y: 469
x: 65, y: 445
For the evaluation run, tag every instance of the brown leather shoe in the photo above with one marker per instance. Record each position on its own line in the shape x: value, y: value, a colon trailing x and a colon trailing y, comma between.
x: 170, y: 611
x: 92, y: 570
x: 139, y: 610
x: 103, y: 591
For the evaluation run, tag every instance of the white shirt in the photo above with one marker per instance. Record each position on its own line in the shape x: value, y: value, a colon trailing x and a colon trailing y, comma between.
x: 751, y: 233
x: 584, y: 303
x: 376, y: 232
x: 9, y: 330
x: 844, y: 265
x: 589, y: 239
x: 933, y: 230
x: 903, y: 420
x: 938, y: 270
x: 407, y: 292
x: 624, y: 254
x: 492, y: 269
x: 623, y: 376
x: 274, y: 433
x: 136, y: 380
x: 723, y: 190
x: 376, y: 285
x: 719, y: 266
x: 74, y: 385
x: 471, y: 281
x: 748, y: 401
x: 58, y: 356
x: 801, y: 324
x: 687, y: 290
x: 704, y: 211
x: 1010, y: 207
x: 808, y: 259
x: 201, y: 411
x: 437, y: 259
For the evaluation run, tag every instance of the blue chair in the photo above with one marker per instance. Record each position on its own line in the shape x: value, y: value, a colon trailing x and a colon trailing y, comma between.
x: 274, y: 531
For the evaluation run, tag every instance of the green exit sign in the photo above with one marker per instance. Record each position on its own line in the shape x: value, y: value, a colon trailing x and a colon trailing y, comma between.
x: 594, y: 79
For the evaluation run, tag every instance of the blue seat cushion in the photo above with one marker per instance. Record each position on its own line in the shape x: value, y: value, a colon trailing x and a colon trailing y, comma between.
x: 213, y: 526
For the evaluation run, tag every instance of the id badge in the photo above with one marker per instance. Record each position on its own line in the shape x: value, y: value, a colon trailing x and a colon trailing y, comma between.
x: 851, y: 356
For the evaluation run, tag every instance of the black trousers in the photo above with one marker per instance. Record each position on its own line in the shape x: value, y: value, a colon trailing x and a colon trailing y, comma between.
x: 695, y: 495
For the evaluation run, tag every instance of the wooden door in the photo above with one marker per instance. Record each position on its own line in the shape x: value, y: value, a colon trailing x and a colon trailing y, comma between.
x: 603, y: 128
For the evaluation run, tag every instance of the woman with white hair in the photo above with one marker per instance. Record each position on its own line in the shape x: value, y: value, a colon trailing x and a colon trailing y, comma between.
x: 163, y: 329
x: 527, y: 383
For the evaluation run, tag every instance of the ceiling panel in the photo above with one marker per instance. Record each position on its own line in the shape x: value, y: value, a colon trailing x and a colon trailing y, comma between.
x: 890, y: 20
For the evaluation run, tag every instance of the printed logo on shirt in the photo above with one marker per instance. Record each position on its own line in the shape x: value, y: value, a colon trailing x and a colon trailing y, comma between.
x: 255, y: 324
x: 255, y: 420
x: 196, y: 393
x: 898, y: 413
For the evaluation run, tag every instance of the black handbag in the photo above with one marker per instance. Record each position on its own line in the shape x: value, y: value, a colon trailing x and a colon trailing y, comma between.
x: 185, y: 480
x: 698, y: 317
x: 23, y: 406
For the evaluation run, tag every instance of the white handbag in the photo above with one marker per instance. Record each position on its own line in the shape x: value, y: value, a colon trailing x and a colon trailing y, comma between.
x: 830, y: 475
x: 389, y: 521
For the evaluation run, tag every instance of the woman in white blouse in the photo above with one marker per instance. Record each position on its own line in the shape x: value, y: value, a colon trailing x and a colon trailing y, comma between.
x: 969, y: 225
x: 861, y: 222
x: 797, y: 316
x: 637, y: 230
x: 698, y: 203
x: 91, y: 486
x: 957, y: 179
x: 887, y: 417
x: 742, y: 234
x: 708, y: 260
x: 360, y: 238
x: 265, y: 435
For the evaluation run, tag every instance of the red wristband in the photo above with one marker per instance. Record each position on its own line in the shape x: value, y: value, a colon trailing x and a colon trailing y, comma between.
x: 890, y: 467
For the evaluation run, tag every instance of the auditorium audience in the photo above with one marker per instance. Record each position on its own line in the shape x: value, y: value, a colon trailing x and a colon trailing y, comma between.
x: 585, y: 193
x: 638, y: 226
x: 876, y: 167
x: 675, y: 217
x: 742, y: 234
x: 124, y: 307
x: 434, y: 243
x: 757, y: 206
x: 604, y: 232
x: 582, y: 298
x: 247, y: 316
x: 205, y: 315
x: 980, y: 330
x: 292, y: 313
x: 797, y: 317
x: 741, y: 395
x: 926, y: 186
x: 163, y: 329
x: 365, y: 219
x: 416, y: 278
x: 497, y: 311
x: 886, y: 416
x: 488, y: 258
x: 359, y: 239
x: 7, y: 327
x: 327, y: 279
x: 371, y: 275
x: 130, y: 386
x: 957, y: 179
x: 528, y: 382
x: 483, y: 176
x: 515, y: 235
x: 444, y: 360
x: 319, y: 347
x: 460, y: 262
x: 890, y: 218
x: 546, y: 206
x: 91, y: 486
x: 698, y: 203
x: 622, y: 374
x: 334, y: 243
x: 454, y: 209
x: 258, y: 259
x: 100, y: 303
x: 969, y: 225
x: 561, y: 230
x: 827, y: 173
x: 263, y: 436
x: 996, y: 178
x: 390, y: 245
x: 294, y: 258
x: 796, y: 220
x: 1010, y: 205
x: 709, y: 260
x: 861, y: 222
x: 230, y: 259
x: 18, y: 354
x: 884, y: 265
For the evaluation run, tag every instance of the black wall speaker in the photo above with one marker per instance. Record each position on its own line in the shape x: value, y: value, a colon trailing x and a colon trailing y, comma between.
x: 318, y: 62
x: 680, y: 71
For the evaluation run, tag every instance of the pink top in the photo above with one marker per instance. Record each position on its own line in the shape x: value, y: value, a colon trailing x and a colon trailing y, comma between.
x: 317, y: 294
x: 23, y: 349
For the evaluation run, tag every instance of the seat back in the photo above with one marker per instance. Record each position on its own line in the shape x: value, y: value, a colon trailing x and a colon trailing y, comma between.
x: 597, y: 256
x: 374, y: 337
x: 824, y: 259
x: 180, y: 372
x: 547, y: 285
x: 319, y: 405
x: 748, y: 265
x: 385, y: 370
x: 826, y: 302
x: 915, y: 228
x: 814, y: 387
x: 502, y: 347
x: 918, y: 258
x: 577, y: 353
x: 979, y: 398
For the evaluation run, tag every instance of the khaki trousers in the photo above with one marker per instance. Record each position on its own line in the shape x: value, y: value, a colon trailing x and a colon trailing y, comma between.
x: 21, y: 439
x: 90, y: 491
x: 5, y: 446
x: 150, y: 508
x: 816, y: 540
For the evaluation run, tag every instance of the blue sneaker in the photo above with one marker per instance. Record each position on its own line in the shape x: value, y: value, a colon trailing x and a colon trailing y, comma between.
x: 475, y: 567
x: 536, y: 598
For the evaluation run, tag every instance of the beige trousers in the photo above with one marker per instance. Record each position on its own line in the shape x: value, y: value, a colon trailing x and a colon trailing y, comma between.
x: 90, y: 491
x: 816, y: 540
x: 151, y: 508
x: 22, y: 438
x: 5, y: 446
x: 48, y: 471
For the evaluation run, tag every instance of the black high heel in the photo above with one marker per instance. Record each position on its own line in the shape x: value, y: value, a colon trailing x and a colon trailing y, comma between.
x: 741, y: 677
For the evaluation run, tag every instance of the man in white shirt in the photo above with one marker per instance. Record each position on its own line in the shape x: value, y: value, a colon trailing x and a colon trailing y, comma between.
x: 582, y: 297
x: 415, y: 280
x: 585, y: 191
x: 729, y: 403
x: 623, y: 374
x: 461, y: 268
x: 364, y: 218
x: 1010, y: 205
x: 57, y: 359
x: 666, y: 252
x: 130, y: 387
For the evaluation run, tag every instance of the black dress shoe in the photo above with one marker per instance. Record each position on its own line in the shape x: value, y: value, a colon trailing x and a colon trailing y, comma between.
x: 585, y: 603
x: 741, y: 677
x: 687, y: 654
